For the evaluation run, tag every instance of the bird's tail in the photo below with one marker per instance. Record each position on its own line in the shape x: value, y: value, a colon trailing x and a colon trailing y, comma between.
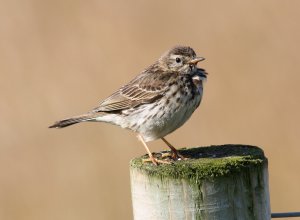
x: 74, y: 120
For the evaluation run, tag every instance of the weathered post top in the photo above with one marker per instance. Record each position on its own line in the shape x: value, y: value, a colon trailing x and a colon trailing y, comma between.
x: 216, y: 182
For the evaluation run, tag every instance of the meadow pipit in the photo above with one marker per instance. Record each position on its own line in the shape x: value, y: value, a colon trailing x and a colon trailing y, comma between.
x: 156, y: 102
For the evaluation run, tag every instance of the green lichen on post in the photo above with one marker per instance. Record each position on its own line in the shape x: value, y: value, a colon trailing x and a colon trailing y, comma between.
x: 205, y: 162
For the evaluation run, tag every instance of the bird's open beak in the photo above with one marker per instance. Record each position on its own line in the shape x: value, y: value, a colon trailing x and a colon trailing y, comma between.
x: 196, y: 60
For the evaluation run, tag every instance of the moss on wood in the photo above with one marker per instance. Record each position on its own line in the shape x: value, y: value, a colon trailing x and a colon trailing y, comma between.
x: 205, y: 162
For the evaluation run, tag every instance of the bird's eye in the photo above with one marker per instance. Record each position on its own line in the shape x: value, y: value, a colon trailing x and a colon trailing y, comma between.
x: 178, y: 60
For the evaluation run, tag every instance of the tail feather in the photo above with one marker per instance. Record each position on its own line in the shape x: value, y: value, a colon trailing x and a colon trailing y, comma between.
x: 70, y: 121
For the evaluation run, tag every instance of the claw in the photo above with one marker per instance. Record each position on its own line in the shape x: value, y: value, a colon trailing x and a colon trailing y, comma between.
x: 155, y: 161
x: 175, y: 155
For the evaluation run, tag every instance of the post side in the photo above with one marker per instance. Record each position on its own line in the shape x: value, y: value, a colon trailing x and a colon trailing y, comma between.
x: 217, y: 182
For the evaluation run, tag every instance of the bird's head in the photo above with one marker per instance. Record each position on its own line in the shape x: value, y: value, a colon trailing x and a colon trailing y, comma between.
x: 180, y: 59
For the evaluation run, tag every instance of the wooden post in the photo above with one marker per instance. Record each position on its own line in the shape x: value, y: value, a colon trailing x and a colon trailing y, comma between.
x: 217, y: 182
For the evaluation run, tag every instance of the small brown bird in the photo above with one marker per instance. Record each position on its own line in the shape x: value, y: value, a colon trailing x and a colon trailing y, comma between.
x: 156, y: 102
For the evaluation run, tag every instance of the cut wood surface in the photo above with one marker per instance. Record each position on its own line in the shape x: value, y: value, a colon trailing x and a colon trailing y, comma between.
x: 216, y: 182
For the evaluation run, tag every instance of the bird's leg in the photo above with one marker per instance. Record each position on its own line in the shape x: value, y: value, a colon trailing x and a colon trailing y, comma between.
x: 175, y: 153
x: 151, y: 157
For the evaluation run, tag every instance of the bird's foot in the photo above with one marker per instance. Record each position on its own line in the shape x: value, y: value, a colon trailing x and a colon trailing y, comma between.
x: 155, y: 161
x: 173, y: 155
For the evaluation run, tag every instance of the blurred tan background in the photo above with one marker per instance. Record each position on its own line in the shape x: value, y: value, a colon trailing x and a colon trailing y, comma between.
x: 60, y: 58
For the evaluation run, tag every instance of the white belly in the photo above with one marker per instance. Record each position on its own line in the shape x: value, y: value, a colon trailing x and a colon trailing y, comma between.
x: 154, y: 121
x: 165, y: 120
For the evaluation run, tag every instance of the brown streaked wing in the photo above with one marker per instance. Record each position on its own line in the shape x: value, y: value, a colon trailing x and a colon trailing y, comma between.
x: 128, y: 97
x: 148, y: 86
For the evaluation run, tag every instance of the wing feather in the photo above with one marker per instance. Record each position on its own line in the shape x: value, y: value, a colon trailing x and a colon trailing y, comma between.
x: 145, y: 88
x: 126, y: 98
